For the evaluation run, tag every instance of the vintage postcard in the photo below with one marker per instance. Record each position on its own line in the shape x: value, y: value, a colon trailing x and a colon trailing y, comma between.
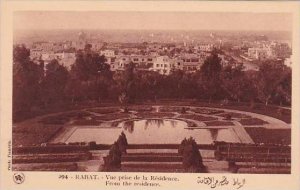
x: 150, y: 94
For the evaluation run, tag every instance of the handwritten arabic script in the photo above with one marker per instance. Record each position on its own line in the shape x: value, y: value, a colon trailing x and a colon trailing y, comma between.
x: 215, y: 182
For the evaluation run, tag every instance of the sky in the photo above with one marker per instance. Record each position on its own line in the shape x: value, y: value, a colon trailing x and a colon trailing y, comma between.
x: 45, y: 20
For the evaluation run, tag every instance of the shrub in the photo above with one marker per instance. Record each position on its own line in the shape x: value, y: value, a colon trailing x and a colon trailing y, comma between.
x: 181, y: 146
x: 122, y: 142
x: 191, y: 157
x: 113, y: 160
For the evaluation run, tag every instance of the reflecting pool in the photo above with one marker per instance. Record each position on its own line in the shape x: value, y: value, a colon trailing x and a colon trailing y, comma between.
x: 152, y: 131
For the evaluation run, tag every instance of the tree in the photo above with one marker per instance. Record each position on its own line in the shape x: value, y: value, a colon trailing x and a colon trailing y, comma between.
x: 283, y: 91
x: 91, y: 73
x: 129, y: 82
x: 54, y: 83
x: 88, y: 65
x: 210, y: 82
x: 235, y: 82
x: 27, y: 77
x: 269, y: 78
x: 147, y: 84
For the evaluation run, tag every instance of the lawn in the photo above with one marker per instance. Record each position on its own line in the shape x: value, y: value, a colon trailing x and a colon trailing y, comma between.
x: 35, y: 134
x: 272, y: 136
x: 252, y: 121
x: 63, y: 118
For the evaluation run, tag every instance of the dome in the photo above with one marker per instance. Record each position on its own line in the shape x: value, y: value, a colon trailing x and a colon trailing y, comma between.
x: 81, y: 35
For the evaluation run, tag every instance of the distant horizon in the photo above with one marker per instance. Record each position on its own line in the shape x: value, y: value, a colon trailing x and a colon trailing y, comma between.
x: 188, y: 21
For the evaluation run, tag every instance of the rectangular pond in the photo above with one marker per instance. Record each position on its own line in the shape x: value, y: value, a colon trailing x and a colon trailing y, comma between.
x: 152, y: 132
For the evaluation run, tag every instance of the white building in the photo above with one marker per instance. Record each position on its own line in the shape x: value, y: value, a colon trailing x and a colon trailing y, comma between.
x: 260, y: 53
x: 189, y: 62
x: 205, y: 47
x: 108, y: 53
x: 163, y: 65
x: 65, y: 59
x: 110, y: 58
x: 288, y: 62
x: 144, y: 62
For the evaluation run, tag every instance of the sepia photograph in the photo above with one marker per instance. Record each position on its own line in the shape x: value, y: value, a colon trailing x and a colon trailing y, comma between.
x: 149, y: 95
x: 165, y: 92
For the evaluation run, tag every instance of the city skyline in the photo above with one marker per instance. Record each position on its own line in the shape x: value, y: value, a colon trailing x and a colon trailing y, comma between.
x: 47, y: 20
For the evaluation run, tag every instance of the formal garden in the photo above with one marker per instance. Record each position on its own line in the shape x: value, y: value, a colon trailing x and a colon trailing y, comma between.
x: 46, y: 128
x: 75, y: 117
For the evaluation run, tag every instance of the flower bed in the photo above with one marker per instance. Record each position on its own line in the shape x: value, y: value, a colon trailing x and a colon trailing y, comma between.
x: 218, y: 123
x: 104, y: 110
x: 154, y: 115
x: 172, y: 109
x: 234, y: 115
x: 269, y: 136
x: 140, y: 108
x: 207, y: 111
x: 113, y: 116
x: 197, y: 117
x: 252, y: 121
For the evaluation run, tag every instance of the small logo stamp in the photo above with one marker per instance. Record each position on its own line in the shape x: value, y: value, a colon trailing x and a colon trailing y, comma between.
x: 19, y: 178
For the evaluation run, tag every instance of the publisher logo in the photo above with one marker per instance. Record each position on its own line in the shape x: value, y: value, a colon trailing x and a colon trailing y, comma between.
x: 19, y: 178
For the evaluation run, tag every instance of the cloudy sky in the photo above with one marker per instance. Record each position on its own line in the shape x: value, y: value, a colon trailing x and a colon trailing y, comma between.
x: 152, y: 20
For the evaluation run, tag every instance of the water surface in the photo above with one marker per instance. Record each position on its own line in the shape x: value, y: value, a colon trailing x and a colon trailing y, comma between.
x: 152, y: 131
